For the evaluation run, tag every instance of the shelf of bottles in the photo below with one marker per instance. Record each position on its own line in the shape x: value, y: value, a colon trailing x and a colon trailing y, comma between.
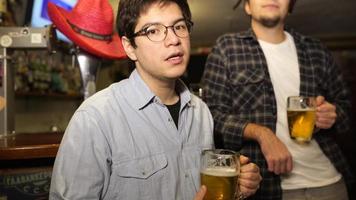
x: 40, y: 73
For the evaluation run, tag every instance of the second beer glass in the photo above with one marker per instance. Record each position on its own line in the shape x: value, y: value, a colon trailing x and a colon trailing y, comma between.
x: 301, y: 117
x: 219, y: 171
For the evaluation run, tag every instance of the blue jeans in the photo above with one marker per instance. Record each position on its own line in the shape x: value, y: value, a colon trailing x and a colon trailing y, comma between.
x: 336, y: 191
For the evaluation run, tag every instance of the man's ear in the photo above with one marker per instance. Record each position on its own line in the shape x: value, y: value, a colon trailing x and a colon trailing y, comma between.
x: 129, y: 49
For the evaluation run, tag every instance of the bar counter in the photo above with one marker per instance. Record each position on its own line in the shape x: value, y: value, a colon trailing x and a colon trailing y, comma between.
x: 20, y: 146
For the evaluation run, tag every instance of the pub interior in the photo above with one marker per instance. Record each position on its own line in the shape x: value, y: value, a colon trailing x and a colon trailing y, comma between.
x: 43, y: 85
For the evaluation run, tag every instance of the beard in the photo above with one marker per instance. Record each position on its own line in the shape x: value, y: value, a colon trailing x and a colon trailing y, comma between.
x: 270, y: 22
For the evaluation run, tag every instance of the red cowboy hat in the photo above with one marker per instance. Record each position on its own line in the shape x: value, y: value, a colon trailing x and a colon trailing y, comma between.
x: 90, y: 26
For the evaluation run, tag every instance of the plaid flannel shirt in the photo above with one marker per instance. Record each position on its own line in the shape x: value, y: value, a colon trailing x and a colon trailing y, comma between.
x: 239, y: 90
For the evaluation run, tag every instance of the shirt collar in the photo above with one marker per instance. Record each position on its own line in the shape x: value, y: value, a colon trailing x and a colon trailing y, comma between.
x: 141, y: 95
x: 185, y: 95
x: 249, y: 34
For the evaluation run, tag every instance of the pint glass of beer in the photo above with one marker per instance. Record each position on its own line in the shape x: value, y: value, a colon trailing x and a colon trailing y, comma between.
x: 219, y: 171
x: 301, y: 117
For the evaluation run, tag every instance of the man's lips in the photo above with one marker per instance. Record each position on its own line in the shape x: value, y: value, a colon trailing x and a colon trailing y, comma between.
x: 270, y: 6
x: 175, y: 58
x: 174, y: 55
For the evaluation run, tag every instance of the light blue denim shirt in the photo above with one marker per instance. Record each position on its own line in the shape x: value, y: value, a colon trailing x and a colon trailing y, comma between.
x: 122, y: 143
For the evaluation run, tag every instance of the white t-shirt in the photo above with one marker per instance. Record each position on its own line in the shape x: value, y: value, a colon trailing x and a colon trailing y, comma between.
x: 311, y: 168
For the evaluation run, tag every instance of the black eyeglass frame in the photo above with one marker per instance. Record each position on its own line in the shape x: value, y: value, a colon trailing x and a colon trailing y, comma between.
x: 143, y: 31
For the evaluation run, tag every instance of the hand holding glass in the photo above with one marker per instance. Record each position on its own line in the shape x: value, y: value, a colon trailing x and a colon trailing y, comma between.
x: 301, y: 117
x: 219, y: 172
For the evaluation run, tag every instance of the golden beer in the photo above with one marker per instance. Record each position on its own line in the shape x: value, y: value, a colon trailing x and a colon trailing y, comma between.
x: 301, y: 124
x: 221, y: 183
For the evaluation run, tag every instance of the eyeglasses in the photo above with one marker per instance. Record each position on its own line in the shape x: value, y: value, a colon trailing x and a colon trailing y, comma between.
x: 158, y: 32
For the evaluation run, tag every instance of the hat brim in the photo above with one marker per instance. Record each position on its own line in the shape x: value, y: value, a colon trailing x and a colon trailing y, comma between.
x: 101, y: 48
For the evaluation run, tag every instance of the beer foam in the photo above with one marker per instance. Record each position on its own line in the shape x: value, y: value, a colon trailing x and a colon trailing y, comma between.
x: 220, y: 171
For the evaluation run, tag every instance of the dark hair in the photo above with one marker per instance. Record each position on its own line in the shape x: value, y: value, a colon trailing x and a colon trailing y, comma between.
x: 291, y: 4
x: 130, y: 10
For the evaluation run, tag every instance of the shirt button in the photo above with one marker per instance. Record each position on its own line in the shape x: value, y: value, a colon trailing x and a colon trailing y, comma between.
x: 169, y: 119
x: 143, y: 173
x: 186, y: 175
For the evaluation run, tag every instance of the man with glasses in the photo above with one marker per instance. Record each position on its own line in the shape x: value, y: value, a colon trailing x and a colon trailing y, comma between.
x: 142, y: 138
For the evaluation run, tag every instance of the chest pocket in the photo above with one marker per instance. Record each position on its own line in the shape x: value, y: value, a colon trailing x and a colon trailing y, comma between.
x: 142, y: 168
x: 248, y: 88
x: 140, y: 178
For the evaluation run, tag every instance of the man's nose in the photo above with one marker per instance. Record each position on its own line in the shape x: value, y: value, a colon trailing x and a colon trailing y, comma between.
x: 171, y: 37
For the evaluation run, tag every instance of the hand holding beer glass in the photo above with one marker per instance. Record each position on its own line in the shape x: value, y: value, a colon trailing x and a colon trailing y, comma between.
x: 301, y: 117
x: 219, y: 172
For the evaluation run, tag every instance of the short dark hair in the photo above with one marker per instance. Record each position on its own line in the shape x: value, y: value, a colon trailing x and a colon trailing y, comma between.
x: 130, y: 10
x: 290, y: 9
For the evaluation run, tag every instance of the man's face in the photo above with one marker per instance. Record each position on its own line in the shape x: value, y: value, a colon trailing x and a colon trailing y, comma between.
x: 268, y: 13
x: 164, y: 60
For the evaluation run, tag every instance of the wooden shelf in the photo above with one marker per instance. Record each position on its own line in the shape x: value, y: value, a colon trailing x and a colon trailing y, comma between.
x: 29, y: 145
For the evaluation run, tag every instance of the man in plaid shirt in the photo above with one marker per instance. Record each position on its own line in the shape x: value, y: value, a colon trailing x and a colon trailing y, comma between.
x: 247, y: 79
